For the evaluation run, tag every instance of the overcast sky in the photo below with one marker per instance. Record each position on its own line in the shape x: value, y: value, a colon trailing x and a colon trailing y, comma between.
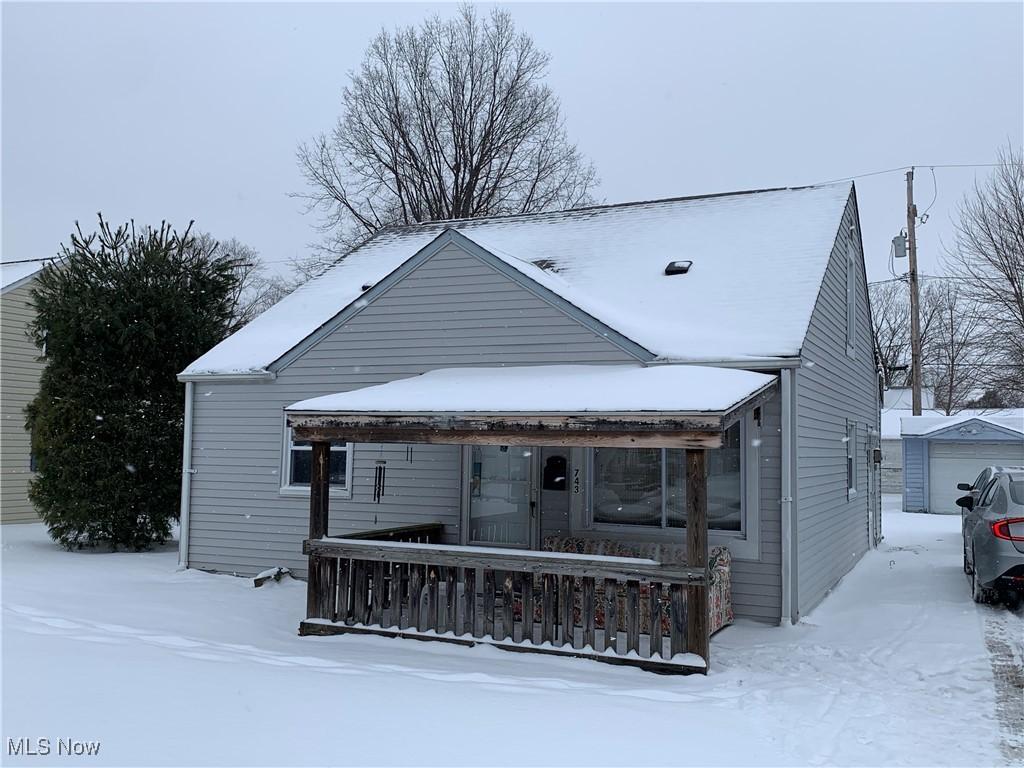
x: 194, y: 111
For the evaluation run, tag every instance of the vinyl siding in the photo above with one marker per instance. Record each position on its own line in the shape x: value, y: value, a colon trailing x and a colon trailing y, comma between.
x: 832, y: 531
x: 757, y: 585
x: 453, y: 309
x: 915, y: 475
x: 20, y: 368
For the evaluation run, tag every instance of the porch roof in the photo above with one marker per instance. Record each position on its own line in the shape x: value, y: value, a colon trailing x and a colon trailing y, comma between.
x: 617, y: 405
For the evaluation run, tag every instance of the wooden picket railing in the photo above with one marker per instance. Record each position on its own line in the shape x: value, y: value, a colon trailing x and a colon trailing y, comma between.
x: 422, y: 533
x: 612, y: 609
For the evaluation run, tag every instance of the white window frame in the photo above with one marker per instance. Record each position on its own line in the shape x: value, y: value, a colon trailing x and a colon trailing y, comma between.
x: 744, y: 544
x: 851, y: 296
x: 287, y: 489
x: 851, y: 459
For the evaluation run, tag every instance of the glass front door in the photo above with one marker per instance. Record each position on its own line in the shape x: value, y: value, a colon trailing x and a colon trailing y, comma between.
x: 501, y: 501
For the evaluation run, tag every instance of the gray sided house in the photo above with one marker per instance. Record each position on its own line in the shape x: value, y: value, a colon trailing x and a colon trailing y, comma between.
x: 761, y: 326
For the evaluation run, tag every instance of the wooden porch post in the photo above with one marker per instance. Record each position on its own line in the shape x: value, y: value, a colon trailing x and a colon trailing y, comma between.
x: 317, y: 580
x: 697, y: 636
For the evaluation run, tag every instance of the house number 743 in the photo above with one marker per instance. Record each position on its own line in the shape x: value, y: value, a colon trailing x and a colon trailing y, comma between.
x: 576, y: 480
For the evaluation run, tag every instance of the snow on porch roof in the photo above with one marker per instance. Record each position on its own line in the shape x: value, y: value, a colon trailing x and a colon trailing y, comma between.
x: 759, y: 259
x: 551, y: 389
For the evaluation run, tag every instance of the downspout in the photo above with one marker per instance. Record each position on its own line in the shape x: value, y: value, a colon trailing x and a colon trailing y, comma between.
x: 186, y: 478
x: 788, y: 434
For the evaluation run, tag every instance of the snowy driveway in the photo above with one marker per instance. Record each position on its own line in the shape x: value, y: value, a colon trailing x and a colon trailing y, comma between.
x: 897, y: 667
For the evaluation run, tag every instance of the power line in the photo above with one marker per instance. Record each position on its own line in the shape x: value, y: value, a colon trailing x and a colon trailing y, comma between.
x: 935, y: 194
x: 903, y: 278
x: 864, y: 175
x: 975, y: 365
x: 904, y: 168
x: 28, y: 261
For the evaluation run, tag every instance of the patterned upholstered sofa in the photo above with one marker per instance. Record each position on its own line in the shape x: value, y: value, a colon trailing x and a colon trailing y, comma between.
x: 720, y: 611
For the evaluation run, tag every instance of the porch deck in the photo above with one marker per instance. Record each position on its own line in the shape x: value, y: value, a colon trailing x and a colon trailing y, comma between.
x: 610, y: 609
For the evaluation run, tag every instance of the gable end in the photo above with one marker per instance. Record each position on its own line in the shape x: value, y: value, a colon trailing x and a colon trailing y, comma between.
x: 452, y: 238
x: 984, y: 430
x: 853, y: 211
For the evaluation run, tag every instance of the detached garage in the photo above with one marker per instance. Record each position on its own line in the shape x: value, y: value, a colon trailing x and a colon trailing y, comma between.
x: 941, y: 451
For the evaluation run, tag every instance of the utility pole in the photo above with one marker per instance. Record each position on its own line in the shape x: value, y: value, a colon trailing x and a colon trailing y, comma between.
x: 915, y: 315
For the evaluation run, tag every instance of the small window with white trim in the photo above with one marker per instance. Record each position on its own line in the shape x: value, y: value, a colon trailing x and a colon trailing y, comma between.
x: 298, y: 465
x: 851, y: 457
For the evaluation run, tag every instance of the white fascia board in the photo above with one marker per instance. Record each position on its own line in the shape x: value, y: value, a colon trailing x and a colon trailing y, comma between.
x: 228, y: 377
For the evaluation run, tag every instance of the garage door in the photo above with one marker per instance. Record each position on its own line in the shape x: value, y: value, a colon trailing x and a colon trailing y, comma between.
x: 952, y: 463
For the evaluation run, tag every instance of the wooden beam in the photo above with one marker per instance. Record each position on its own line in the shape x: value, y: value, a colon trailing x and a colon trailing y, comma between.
x: 697, y: 635
x: 493, y: 436
x: 622, y: 430
x: 634, y: 421
x: 319, y: 490
x: 319, y: 515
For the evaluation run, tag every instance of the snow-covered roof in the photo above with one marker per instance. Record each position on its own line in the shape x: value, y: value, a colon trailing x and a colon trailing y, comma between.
x: 917, y: 426
x: 758, y: 262
x: 891, y: 418
x: 16, y: 273
x: 551, y: 389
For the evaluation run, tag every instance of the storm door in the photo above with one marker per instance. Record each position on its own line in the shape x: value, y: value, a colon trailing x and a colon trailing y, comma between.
x: 502, y: 499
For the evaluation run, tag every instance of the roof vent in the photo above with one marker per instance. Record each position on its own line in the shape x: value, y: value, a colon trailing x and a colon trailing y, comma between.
x: 678, y: 267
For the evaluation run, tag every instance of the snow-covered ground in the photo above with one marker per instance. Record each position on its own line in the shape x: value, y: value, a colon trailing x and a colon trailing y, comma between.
x: 164, y: 667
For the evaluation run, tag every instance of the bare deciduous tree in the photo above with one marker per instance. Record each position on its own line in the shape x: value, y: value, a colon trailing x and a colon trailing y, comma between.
x: 955, y: 355
x: 988, y: 261
x: 890, y: 313
x: 255, y: 290
x: 448, y: 120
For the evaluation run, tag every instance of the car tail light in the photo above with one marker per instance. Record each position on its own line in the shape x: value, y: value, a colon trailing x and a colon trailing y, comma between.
x: 1009, y: 530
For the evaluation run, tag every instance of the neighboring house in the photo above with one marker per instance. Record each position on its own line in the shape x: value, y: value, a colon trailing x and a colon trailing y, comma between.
x: 20, y: 366
x: 897, y: 403
x: 940, y: 451
x: 776, y: 286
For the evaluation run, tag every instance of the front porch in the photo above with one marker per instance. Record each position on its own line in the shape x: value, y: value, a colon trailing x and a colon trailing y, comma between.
x: 650, y: 612
x: 620, y: 610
